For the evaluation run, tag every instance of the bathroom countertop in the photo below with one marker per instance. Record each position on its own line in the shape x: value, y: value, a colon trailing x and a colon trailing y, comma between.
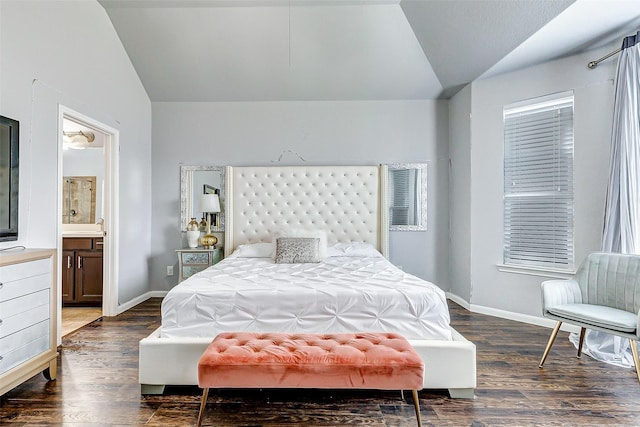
x: 82, y: 234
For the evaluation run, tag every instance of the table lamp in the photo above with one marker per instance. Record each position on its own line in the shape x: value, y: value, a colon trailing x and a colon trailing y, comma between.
x: 209, y: 203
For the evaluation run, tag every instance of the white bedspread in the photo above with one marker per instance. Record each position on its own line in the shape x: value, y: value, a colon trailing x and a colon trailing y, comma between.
x: 340, y: 294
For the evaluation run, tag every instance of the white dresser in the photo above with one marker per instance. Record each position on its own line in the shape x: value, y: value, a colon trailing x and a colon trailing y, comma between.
x: 28, y: 312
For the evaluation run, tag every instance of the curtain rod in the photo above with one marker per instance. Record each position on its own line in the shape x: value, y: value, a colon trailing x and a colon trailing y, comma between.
x: 594, y: 64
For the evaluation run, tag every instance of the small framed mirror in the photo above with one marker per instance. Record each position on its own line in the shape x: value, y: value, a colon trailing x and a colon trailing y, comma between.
x: 407, y: 196
x: 195, y: 181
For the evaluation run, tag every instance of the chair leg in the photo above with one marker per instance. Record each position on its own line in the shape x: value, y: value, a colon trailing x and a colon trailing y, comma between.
x: 416, y: 403
x: 203, y: 403
x: 634, y: 351
x: 552, y: 338
x: 582, y: 331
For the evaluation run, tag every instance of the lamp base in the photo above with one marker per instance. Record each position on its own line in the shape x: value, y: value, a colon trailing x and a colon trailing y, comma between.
x: 209, y: 241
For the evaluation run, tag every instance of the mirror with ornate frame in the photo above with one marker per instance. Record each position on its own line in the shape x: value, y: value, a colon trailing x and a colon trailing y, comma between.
x: 197, y: 180
x: 407, y: 190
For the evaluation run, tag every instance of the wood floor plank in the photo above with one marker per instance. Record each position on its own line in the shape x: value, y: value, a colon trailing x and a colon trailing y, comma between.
x: 73, y: 318
x: 97, y: 385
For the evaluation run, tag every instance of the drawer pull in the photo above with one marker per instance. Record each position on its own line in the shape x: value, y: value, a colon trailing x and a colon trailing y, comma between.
x: 99, y: 242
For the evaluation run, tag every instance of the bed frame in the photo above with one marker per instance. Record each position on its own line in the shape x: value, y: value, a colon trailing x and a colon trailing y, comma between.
x: 349, y: 203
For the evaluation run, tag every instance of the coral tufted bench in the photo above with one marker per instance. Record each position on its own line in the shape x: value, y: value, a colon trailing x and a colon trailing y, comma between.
x: 383, y: 361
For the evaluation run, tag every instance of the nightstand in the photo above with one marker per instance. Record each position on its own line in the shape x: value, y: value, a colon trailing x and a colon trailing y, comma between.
x: 192, y: 261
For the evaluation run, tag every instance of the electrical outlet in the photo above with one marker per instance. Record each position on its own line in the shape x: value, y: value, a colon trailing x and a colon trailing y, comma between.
x: 169, y: 270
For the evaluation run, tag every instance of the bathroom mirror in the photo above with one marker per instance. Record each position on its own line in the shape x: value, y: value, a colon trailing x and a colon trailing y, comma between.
x: 407, y: 196
x: 197, y: 180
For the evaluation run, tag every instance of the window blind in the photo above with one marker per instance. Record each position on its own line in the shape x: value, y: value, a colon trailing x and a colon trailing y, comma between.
x: 538, y: 184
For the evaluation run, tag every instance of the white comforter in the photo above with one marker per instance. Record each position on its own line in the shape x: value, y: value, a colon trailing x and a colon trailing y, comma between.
x: 340, y: 294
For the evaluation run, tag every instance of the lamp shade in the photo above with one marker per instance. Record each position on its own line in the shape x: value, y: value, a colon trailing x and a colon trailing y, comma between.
x: 209, y: 203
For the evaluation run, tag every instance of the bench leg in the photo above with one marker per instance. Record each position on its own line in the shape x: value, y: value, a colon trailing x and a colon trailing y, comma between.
x: 416, y: 403
x: 203, y: 403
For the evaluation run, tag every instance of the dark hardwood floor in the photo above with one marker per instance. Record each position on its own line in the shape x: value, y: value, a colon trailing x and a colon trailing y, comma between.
x: 97, y: 385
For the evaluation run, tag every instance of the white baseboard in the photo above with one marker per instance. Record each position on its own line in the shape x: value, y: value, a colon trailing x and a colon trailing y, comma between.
x: 510, y: 315
x: 458, y: 300
x: 142, y: 298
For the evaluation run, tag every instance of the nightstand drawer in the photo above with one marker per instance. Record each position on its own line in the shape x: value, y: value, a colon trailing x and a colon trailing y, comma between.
x: 192, y: 261
x: 196, y: 258
x: 190, y: 270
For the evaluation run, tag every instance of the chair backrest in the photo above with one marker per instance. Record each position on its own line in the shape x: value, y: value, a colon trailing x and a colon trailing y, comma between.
x: 611, y: 279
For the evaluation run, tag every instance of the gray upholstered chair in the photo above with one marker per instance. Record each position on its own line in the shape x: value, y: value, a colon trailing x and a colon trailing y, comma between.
x: 603, y: 295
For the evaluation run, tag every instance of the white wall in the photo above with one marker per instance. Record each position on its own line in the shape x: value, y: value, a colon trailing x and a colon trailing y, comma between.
x: 339, y: 133
x: 593, y: 90
x: 67, y: 52
x: 460, y: 193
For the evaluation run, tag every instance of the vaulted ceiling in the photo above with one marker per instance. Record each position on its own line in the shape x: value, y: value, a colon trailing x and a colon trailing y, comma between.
x: 275, y: 50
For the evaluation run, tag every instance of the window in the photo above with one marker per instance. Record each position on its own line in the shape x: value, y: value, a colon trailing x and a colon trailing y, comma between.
x: 538, y: 183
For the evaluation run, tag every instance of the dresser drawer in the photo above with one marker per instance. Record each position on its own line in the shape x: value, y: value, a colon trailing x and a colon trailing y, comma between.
x: 24, y: 336
x: 24, y: 353
x: 19, y: 313
x: 28, y: 285
x: 10, y: 273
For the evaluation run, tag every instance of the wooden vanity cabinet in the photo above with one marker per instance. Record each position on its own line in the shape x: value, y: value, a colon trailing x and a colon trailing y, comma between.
x: 82, y: 271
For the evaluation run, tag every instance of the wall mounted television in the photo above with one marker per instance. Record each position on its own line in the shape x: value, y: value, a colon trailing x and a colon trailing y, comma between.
x: 9, y: 156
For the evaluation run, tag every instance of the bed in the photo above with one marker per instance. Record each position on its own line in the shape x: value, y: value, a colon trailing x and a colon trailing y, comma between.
x: 353, y: 287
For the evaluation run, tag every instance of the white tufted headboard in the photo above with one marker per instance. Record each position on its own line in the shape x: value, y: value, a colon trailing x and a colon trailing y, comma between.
x: 348, y: 202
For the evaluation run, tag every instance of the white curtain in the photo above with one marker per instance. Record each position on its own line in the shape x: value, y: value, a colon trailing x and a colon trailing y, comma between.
x: 622, y: 212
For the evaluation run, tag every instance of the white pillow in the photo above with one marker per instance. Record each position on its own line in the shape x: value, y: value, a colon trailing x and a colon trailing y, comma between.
x: 303, y: 232
x: 255, y: 250
x: 352, y: 249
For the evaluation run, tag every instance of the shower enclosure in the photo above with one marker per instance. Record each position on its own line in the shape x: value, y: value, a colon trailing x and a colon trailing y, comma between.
x: 79, y: 200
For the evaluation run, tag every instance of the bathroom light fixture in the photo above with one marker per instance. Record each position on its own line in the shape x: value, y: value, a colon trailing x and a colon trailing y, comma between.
x: 77, y: 140
x: 82, y: 137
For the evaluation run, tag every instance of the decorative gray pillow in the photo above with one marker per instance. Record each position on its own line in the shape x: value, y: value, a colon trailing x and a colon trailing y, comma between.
x: 295, y: 250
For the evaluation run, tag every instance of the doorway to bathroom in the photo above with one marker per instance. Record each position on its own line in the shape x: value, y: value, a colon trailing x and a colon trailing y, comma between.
x: 87, y: 186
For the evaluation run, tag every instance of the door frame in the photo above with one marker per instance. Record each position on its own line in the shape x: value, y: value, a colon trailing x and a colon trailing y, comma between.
x: 111, y: 211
